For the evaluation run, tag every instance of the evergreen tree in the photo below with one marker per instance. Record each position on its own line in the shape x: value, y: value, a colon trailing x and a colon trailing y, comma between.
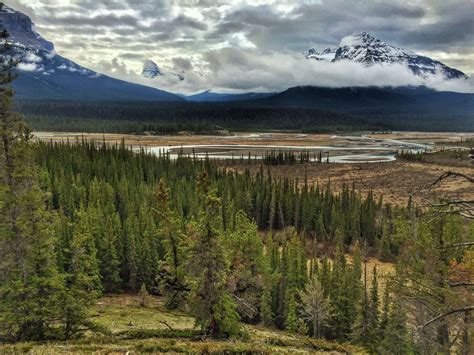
x: 395, y: 340
x: 173, y: 279
x: 373, y: 314
x: 385, y: 310
x: 131, y: 252
x: 269, y: 280
x: 340, y: 323
x: 245, y: 253
x: 30, y: 284
x: 291, y: 321
x: 212, y: 306
x: 82, y: 279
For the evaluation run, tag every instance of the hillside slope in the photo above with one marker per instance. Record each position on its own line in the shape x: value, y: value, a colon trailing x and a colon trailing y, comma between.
x: 154, y: 329
x: 374, y: 99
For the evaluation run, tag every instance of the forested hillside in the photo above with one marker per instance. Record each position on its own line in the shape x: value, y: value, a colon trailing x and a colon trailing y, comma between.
x: 139, y: 117
x: 169, y: 118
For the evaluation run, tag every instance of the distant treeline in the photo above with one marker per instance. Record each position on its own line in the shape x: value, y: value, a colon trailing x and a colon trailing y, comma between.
x: 170, y: 118
x: 138, y: 117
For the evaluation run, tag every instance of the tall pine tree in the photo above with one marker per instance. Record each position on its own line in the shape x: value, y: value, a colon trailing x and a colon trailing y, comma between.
x: 211, y: 304
x: 30, y: 284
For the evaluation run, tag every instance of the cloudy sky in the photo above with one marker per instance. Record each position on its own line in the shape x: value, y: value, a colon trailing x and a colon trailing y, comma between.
x: 249, y: 45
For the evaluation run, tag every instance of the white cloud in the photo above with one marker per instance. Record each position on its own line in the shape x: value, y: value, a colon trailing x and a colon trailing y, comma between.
x: 243, y: 70
x: 33, y: 58
x: 27, y: 66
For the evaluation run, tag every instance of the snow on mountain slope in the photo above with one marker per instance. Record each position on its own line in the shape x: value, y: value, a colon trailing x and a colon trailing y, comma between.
x: 46, y: 75
x: 151, y: 70
x: 365, y: 48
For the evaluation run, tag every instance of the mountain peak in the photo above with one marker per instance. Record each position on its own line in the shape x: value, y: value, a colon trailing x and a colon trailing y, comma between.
x: 360, y: 39
x: 151, y: 69
x: 5, y: 8
x: 22, y: 30
x: 367, y: 49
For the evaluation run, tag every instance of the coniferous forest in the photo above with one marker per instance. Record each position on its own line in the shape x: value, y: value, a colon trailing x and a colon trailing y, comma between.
x: 230, y: 248
x: 202, y: 117
x: 84, y: 220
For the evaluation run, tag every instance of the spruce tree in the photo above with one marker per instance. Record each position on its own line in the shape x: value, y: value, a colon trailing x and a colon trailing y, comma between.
x: 82, y: 279
x: 245, y: 253
x: 131, y: 251
x: 373, y: 313
x: 396, y: 340
x: 212, y: 306
x: 340, y: 323
x: 291, y: 321
x: 173, y: 280
x: 269, y: 281
x: 30, y: 284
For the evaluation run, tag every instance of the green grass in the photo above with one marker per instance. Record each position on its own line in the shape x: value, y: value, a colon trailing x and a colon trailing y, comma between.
x: 121, y: 313
x: 136, y: 330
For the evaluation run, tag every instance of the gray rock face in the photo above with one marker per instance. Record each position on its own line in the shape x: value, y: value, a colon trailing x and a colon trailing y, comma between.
x: 22, y: 30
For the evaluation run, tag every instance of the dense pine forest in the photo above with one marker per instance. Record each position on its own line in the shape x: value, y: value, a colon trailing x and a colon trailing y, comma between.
x: 207, y: 118
x: 120, y: 221
x: 170, y: 118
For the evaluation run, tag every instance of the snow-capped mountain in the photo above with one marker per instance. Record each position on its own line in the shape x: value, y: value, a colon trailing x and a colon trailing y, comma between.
x: 365, y: 48
x: 151, y: 70
x: 46, y: 75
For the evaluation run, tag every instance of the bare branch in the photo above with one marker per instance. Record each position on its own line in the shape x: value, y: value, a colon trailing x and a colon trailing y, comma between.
x: 245, y: 307
x: 445, y: 176
x: 458, y: 245
x: 452, y: 311
x: 461, y: 284
x: 464, y: 208
x: 166, y: 323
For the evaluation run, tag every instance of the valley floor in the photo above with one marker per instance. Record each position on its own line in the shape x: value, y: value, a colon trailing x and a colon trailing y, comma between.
x: 395, y: 180
x: 247, y: 138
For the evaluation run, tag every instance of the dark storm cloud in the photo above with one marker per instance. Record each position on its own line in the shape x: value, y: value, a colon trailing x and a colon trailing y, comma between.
x: 131, y: 56
x: 185, y: 21
x: 182, y: 63
x: 327, y: 22
x: 398, y: 10
x: 453, y: 30
x: 421, y: 24
x: 100, y: 20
